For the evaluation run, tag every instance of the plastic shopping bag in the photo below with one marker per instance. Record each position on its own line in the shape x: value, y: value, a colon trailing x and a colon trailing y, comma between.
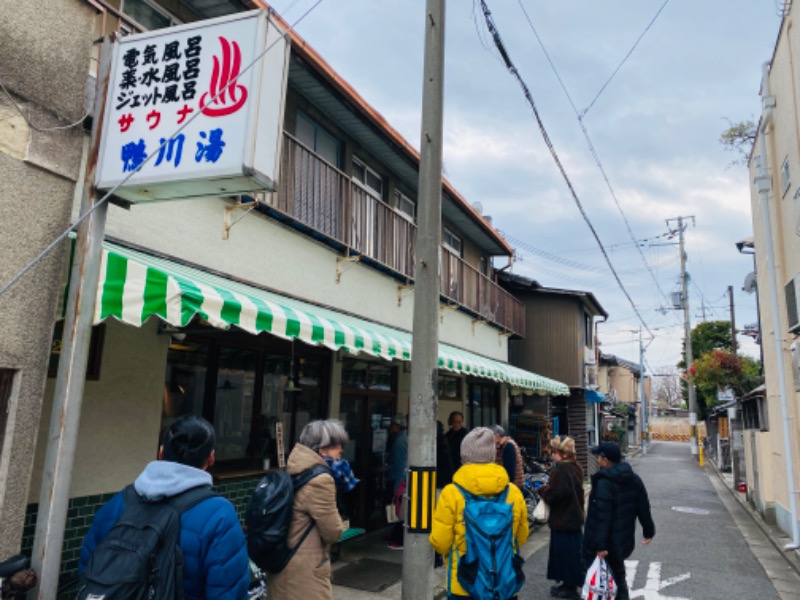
x: 599, y: 583
x: 542, y: 512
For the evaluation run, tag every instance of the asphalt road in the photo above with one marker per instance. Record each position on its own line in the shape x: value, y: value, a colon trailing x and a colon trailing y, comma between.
x: 698, y: 553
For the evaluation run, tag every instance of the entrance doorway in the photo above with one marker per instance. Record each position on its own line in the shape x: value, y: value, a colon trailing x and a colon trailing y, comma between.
x: 367, y: 405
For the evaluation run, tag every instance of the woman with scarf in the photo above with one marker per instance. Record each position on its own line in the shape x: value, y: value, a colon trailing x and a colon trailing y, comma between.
x: 308, y: 574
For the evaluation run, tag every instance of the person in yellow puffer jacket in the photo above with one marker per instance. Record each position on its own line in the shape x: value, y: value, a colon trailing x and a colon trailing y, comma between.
x: 479, y: 475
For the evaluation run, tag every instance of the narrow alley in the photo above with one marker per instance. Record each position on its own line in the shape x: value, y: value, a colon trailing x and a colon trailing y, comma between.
x: 706, y: 545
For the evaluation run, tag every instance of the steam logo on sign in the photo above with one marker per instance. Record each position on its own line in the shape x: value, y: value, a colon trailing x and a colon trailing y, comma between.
x: 223, y: 77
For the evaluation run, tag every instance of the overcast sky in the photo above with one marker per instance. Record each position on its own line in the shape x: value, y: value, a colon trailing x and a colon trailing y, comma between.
x: 654, y: 127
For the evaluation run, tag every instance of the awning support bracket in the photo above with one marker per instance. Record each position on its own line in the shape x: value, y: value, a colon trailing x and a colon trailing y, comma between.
x: 227, y: 224
x: 343, y: 263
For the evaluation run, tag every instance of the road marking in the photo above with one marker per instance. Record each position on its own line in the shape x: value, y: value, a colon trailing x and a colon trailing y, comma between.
x: 652, y: 588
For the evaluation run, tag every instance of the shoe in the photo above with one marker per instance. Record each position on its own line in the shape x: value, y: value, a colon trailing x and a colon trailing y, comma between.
x: 394, y: 546
x: 556, y: 590
x: 569, y: 592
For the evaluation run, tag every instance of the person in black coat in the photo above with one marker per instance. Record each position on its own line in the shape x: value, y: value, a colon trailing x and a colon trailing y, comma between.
x: 444, y: 462
x: 618, y: 498
x: 564, y: 496
x: 455, y: 435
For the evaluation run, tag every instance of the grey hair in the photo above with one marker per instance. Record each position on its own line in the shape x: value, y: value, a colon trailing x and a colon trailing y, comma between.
x: 498, y: 430
x: 324, y: 434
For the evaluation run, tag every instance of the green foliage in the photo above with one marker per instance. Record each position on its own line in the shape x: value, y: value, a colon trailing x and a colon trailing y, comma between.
x: 707, y: 336
x: 720, y: 368
x: 739, y: 139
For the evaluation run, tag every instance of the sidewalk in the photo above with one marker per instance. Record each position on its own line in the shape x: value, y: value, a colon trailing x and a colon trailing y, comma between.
x: 782, y: 566
x: 372, y: 553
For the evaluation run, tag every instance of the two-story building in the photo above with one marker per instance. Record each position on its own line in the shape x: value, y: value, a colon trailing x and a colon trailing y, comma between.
x: 772, y: 429
x: 560, y: 341
x: 263, y: 313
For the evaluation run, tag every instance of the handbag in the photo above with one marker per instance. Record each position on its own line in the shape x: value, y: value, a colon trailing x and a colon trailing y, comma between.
x: 599, y: 583
x: 542, y: 512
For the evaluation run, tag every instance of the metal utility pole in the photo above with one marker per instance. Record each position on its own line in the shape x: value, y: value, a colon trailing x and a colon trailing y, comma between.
x: 734, y: 345
x: 68, y: 394
x: 421, y: 482
x: 687, y: 329
x: 642, y: 400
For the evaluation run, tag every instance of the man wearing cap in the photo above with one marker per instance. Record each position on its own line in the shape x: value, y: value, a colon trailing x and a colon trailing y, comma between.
x: 617, y: 499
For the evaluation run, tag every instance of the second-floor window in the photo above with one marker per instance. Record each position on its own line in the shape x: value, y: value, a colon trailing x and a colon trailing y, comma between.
x: 317, y: 139
x: 367, y: 178
x: 405, y: 205
x: 589, y: 333
x: 451, y: 241
x: 147, y: 14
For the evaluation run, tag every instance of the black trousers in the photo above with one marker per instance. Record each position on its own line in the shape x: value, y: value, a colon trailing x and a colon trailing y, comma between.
x: 617, y: 567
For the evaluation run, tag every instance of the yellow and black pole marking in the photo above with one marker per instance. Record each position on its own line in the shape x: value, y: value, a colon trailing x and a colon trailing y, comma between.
x: 421, y: 495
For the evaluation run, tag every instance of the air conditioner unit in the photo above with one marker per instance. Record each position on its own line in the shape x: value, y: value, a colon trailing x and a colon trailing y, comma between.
x: 792, y: 290
x: 795, y: 347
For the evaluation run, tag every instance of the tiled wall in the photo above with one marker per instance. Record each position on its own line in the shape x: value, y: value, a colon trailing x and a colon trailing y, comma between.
x: 81, y: 512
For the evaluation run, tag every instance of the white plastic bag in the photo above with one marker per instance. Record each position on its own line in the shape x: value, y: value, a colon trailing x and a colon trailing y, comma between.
x: 542, y: 512
x: 599, y: 583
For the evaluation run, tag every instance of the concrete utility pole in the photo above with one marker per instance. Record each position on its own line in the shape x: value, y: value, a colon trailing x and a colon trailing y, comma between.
x: 71, y: 377
x: 734, y: 345
x: 687, y: 329
x: 421, y: 477
x: 642, y: 400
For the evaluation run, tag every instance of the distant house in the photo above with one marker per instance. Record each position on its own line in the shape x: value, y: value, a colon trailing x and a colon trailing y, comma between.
x: 560, y: 342
x: 619, y: 380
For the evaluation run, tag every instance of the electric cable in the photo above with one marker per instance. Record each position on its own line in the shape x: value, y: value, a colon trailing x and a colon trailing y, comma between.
x: 125, y: 179
x: 546, y: 137
x: 30, y: 123
x: 625, y: 58
x: 592, y: 149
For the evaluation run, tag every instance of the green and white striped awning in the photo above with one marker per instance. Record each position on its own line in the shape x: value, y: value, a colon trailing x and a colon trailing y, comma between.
x: 135, y: 286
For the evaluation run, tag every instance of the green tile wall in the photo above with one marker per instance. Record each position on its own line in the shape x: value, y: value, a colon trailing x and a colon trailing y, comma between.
x: 81, y: 511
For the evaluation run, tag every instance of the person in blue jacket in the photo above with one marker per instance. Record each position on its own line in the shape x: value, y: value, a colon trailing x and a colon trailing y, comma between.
x: 216, y: 566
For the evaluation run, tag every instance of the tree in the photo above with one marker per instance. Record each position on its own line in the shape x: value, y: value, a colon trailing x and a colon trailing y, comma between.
x: 706, y: 337
x: 720, y: 368
x: 666, y: 389
x: 739, y: 138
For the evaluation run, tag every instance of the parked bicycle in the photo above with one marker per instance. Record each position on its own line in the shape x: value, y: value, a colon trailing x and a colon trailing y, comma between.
x: 530, y: 492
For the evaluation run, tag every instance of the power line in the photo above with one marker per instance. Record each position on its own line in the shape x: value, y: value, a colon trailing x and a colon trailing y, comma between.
x: 625, y: 58
x: 49, y: 248
x: 592, y: 149
x: 567, y: 262
x: 513, y: 70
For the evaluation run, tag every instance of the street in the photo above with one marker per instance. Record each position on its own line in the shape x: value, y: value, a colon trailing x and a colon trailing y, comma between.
x: 699, y: 552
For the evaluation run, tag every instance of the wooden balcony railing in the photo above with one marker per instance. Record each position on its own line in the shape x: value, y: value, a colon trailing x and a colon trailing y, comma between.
x: 318, y: 195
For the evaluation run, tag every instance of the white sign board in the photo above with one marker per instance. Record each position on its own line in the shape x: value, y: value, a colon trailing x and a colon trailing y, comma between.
x: 190, y: 94
x: 725, y: 394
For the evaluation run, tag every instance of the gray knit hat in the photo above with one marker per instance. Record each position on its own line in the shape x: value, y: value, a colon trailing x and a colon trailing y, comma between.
x: 478, y: 446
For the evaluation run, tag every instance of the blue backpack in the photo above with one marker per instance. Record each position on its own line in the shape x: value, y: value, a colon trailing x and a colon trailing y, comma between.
x: 492, y: 567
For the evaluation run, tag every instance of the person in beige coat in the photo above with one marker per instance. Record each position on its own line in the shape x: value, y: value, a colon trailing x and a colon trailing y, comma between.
x: 308, y: 574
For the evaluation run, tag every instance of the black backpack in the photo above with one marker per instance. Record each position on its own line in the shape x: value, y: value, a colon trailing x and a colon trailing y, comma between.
x: 269, y: 514
x: 141, y: 559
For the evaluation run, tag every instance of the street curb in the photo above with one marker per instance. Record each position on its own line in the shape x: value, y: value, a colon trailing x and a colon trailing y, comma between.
x: 790, y: 556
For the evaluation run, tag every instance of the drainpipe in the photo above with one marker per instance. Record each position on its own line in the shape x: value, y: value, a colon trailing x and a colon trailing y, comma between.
x: 763, y: 184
